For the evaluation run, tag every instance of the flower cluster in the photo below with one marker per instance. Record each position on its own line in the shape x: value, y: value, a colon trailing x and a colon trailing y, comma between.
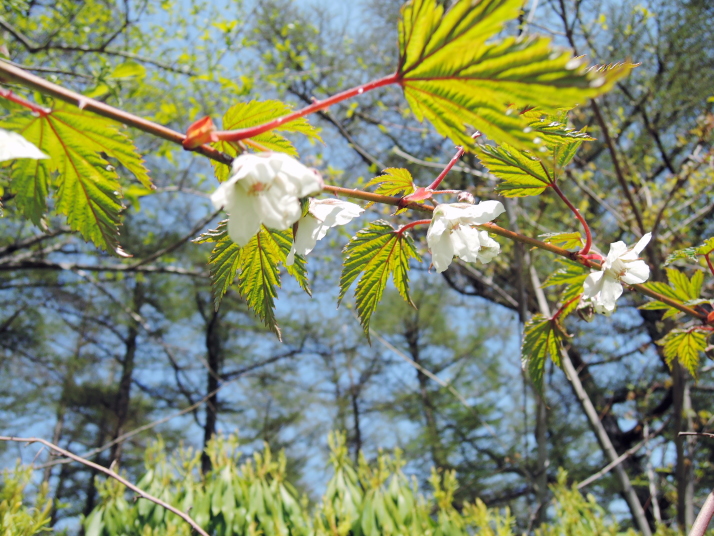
x: 622, y: 265
x: 453, y: 232
x: 264, y: 189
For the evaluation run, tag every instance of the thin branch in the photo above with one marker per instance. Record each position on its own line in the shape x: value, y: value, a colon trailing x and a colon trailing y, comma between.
x: 617, y: 461
x: 140, y: 492
x: 704, y: 517
x: 33, y: 48
x: 8, y: 71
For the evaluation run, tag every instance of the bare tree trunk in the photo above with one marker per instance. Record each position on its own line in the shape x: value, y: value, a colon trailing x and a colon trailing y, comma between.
x: 638, y: 513
x: 213, y: 350
x: 684, y: 470
x: 438, y: 456
x: 522, y: 262
x: 123, y: 399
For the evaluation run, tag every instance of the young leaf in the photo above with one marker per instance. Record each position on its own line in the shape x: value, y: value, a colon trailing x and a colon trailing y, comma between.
x: 572, y: 274
x: 570, y: 240
x: 542, y: 338
x: 376, y: 252
x: 454, y: 78
x: 248, y: 114
x: 680, y: 288
x: 88, y: 188
x: 522, y: 173
x: 256, y: 266
x: 684, y: 345
x: 526, y: 172
x: 692, y: 253
x: 395, y: 182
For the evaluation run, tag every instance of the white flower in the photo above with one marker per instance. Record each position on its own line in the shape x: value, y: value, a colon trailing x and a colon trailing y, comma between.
x: 264, y: 189
x: 452, y: 232
x: 13, y: 146
x: 322, y: 215
x: 602, y: 289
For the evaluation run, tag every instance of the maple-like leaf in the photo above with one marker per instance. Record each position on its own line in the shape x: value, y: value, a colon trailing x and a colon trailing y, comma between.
x: 249, y: 114
x: 88, y: 190
x: 454, y: 76
x: 684, y: 346
x: 680, y: 288
x: 396, y: 182
x: 376, y: 252
x: 541, y: 338
x: 257, y: 267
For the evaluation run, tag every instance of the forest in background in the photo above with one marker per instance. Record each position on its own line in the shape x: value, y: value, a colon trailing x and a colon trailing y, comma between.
x: 94, y: 347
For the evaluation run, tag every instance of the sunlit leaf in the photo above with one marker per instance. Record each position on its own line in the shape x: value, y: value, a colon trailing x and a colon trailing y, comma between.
x: 249, y: 114
x: 542, y: 338
x: 571, y: 240
x: 454, y: 76
x: 396, y: 182
x: 257, y: 267
x: 375, y: 253
x: 691, y: 253
x: 88, y: 190
x: 680, y: 288
x: 685, y: 346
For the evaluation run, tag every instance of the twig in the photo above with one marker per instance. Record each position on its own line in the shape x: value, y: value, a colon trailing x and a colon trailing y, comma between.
x: 704, y: 517
x: 621, y: 458
x: 111, y: 474
x: 9, y: 72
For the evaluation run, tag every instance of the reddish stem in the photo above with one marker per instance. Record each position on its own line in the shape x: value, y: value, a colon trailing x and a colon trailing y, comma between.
x: 709, y: 262
x: 9, y: 95
x: 413, y: 224
x: 586, y: 227
x: 459, y: 153
x: 243, y: 133
x: 562, y: 307
x: 434, y: 185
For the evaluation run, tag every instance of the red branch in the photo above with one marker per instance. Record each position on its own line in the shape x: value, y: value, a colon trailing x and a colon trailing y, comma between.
x: 243, y: 133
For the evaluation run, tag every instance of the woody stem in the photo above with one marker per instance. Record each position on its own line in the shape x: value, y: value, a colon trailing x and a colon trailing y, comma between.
x: 243, y: 133
x: 586, y: 227
x: 9, y: 72
x: 413, y: 224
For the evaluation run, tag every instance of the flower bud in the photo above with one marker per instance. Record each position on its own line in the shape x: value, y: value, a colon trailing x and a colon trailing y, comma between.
x: 465, y: 197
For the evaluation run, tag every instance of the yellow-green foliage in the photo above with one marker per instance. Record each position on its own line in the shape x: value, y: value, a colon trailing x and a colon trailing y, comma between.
x: 18, y: 515
x: 372, y: 499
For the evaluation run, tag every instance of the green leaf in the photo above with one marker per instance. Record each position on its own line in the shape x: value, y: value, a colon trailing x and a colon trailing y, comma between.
x: 452, y: 76
x: 393, y: 181
x: 256, y: 266
x: 691, y: 253
x: 249, y: 114
x: 88, y: 187
x: 571, y: 240
x: 542, y: 338
x: 224, y: 261
x: 375, y: 252
x: 685, y: 346
x: 522, y: 174
x: 396, y: 182
x: 680, y: 288
x: 573, y: 275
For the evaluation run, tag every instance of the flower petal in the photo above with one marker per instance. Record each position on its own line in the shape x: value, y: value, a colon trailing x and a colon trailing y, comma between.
x: 489, y: 247
x: 637, y: 272
x: 442, y: 251
x: 642, y: 244
x: 592, y: 284
x: 466, y: 243
x: 611, y: 290
x: 243, y: 220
